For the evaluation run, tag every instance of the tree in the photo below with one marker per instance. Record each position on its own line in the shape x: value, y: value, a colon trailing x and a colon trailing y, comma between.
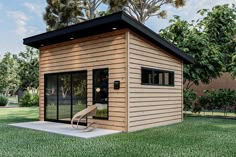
x: 142, y: 10
x: 208, y: 61
x: 90, y: 8
x: 28, y: 68
x: 211, y: 41
x: 233, y: 66
x: 8, y: 74
x: 219, y: 25
x: 62, y: 13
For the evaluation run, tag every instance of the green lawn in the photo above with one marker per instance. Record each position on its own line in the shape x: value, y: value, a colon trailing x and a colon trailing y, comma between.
x: 196, y: 137
x: 12, y: 101
x: 215, y: 113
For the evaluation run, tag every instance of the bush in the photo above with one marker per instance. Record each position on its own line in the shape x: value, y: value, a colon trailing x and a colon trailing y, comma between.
x: 3, y: 101
x: 218, y: 99
x: 29, y: 100
x: 189, y: 99
x: 197, y: 108
x: 222, y: 99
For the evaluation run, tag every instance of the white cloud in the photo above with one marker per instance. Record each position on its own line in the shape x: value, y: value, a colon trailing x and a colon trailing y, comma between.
x: 35, y: 8
x: 20, y: 19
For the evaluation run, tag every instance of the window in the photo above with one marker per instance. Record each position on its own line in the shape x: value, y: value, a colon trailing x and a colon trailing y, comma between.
x: 100, y: 92
x: 157, y: 77
x: 147, y: 76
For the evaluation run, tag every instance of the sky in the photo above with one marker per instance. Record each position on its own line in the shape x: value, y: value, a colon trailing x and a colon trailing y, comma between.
x: 24, y: 18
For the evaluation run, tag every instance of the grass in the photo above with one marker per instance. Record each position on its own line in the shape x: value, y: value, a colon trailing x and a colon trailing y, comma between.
x: 196, y: 137
x: 12, y: 101
x: 215, y: 113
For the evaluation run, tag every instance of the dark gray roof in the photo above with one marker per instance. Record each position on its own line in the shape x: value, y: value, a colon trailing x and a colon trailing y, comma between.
x: 104, y: 24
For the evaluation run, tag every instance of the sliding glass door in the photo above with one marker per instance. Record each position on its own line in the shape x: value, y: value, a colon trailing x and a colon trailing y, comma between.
x: 79, y: 93
x: 65, y: 95
x: 51, y: 97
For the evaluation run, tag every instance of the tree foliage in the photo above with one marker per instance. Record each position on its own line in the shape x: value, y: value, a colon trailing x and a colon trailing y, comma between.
x: 9, y: 78
x: 210, y: 41
x: 62, y: 13
x: 28, y: 68
x: 208, y: 61
x: 219, y: 25
x: 142, y: 10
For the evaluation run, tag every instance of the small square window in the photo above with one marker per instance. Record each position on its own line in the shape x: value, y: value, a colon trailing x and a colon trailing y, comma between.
x: 147, y: 76
x: 167, y: 78
x: 158, y: 77
x: 171, y: 78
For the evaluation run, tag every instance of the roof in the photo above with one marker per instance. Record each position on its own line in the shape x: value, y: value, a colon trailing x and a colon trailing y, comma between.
x: 104, y: 24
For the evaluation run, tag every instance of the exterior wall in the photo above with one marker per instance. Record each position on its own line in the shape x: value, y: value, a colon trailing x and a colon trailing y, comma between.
x: 225, y: 81
x: 100, y: 51
x: 151, y: 106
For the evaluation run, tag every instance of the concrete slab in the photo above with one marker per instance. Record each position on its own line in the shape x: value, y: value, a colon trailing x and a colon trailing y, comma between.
x: 64, y: 129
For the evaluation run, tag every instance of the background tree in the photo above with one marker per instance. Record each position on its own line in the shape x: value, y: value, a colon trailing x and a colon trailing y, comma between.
x: 142, y: 10
x: 219, y: 25
x: 211, y: 41
x: 208, y: 61
x: 9, y: 74
x: 62, y: 13
x: 28, y: 68
x: 90, y: 8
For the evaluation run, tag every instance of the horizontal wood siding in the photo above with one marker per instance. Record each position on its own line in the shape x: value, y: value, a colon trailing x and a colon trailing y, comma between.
x: 101, y: 51
x: 151, y: 106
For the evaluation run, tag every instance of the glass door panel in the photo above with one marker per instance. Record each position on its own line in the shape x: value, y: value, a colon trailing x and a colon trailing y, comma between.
x: 64, y: 97
x: 79, y: 92
x: 51, y: 97
x: 100, y: 92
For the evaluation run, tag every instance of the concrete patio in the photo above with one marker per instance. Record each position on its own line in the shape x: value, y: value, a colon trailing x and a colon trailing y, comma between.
x: 64, y: 129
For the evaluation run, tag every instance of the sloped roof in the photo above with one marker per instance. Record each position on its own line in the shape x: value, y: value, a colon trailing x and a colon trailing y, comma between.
x: 104, y: 24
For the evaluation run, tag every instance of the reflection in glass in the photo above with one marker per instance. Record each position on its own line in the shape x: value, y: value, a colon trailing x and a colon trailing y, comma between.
x: 64, y: 97
x: 51, y: 97
x: 79, y: 92
x: 100, y: 91
x: 147, y: 76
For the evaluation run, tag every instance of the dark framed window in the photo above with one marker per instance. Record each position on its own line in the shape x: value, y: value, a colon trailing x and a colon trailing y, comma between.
x: 100, y: 92
x: 157, y: 77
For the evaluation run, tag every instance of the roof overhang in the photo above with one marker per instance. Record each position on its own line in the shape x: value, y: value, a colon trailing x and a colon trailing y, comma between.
x: 119, y: 20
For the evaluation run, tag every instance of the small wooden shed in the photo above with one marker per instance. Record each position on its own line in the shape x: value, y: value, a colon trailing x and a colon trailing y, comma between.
x: 134, y: 76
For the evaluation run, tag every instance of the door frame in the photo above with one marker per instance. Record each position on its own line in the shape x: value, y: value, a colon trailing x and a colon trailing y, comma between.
x: 101, y: 118
x: 71, y: 102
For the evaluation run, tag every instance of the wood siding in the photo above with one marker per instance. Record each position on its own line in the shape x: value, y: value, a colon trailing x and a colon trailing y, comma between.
x: 134, y: 106
x: 101, y: 51
x: 148, y: 105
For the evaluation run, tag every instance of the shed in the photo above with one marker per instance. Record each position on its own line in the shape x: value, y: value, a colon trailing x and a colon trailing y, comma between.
x: 134, y: 76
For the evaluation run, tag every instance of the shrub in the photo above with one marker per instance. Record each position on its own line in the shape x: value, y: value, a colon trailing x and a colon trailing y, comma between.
x: 29, y: 100
x: 3, y: 101
x: 197, y: 108
x: 189, y: 99
x: 208, y: 100
x: 218, y: 99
